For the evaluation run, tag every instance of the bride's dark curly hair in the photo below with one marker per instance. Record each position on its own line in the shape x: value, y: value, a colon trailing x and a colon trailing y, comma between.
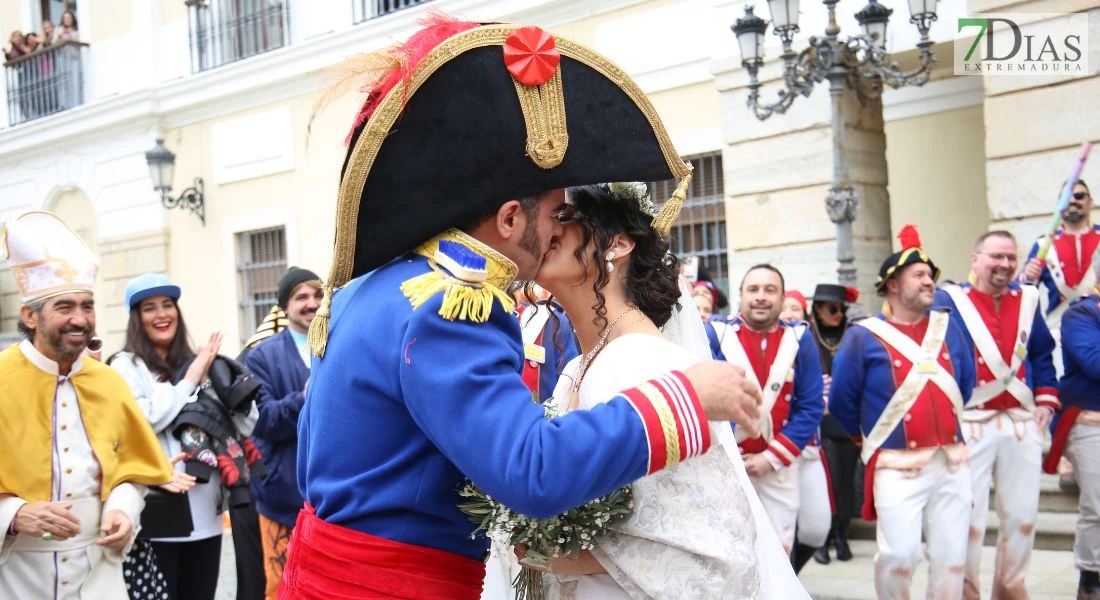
x: 652, y: 279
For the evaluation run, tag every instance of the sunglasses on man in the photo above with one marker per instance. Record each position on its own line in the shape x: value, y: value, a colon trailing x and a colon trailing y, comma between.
x: 1080, y: 195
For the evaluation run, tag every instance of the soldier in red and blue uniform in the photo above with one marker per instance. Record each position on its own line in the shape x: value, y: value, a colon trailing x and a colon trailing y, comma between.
x: 1077, y: 432
x: 1066, y: 273
x: 1006, y: 420
x: 449, y: 192
x: 781, y: 357
x: 900, y: 379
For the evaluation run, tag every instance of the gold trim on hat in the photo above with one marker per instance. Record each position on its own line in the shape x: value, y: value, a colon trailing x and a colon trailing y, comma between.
x: 543, y: 109
x: 381, y: 121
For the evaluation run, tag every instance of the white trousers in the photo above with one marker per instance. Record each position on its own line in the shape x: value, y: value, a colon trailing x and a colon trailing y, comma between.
x: 1008, y: 455
x: 778, y: 492
x: 940, y: 500
x: 1083, y: 450
x: 815, y: 510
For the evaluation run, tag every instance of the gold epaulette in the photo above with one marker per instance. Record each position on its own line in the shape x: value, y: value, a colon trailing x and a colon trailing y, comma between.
x: 469, y: 273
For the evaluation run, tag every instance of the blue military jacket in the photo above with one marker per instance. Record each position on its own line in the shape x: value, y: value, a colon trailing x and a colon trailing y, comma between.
x: 406, y: 405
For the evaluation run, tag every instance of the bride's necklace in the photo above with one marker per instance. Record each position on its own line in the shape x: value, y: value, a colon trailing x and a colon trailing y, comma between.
x: 587, y: 360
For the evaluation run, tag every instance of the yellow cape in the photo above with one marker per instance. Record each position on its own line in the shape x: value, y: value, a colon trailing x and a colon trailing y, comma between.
x: 121, y: 438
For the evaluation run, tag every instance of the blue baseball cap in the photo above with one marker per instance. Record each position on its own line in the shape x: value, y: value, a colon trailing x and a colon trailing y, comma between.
x: 149, y: 285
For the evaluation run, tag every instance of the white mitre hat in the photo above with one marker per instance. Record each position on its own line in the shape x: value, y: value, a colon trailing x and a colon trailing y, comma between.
x: 46, y: 257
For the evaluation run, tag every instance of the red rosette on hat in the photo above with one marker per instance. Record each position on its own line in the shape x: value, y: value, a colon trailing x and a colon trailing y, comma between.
x: 531, y: 55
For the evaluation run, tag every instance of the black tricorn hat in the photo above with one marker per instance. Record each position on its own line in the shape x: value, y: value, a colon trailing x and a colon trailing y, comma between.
x: 831, y: 292
x: 911, y: 253
x: 491, y: 113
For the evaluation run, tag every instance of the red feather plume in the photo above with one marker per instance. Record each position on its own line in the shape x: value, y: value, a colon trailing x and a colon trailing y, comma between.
x: 909, y: 237
x: 437, y: 28
x: 851, y: 294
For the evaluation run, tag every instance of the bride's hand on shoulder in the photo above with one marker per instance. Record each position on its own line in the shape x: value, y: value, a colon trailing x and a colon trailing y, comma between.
x: 584, y: 564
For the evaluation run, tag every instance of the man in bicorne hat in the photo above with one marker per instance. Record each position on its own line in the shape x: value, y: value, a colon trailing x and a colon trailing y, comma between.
x: 450, y: 190
x: 1015, y: 397
x: 77, y: 451
x: 900, y: 379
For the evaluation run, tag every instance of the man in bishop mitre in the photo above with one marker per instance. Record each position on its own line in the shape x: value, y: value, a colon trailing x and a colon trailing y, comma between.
x: 77, y: 452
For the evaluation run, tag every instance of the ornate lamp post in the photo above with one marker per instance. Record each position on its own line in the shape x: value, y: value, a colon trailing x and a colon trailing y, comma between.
x: 859, y: 63
x: 162, y: 166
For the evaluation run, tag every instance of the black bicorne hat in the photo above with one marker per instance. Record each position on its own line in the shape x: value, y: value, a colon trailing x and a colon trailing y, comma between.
x: 472, y: 116
x: 911, y: 253
x: 490, y: 114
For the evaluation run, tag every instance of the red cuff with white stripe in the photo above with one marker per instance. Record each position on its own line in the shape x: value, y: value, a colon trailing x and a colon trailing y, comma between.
x: 784, y: 449
x: 1047, y: 396
x: 675, y: 425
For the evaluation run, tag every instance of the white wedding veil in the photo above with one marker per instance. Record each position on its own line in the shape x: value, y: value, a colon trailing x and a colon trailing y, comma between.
x: 777, y: 577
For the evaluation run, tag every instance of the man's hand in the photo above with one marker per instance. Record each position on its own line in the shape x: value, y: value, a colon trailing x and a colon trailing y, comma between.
x: 726, y: 395
x: 1033, y: 270
x: 37, y: 518
x: 758, y: 465
x: 115, y: 530
x: 1043, y: 416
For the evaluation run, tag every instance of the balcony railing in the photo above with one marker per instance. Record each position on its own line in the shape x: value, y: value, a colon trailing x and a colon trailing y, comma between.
x: 224, y: 31
x: 368, y: 9
x: 45, y: 82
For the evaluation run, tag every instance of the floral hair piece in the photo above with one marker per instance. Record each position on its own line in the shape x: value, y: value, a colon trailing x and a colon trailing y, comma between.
x: 636, y: 191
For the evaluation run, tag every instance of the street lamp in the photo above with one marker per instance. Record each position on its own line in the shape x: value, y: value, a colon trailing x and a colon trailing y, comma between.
x: 859, y: 63
x: 162, y: 166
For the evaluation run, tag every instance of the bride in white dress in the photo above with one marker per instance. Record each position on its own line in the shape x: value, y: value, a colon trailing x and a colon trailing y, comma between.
x: 698, y: 529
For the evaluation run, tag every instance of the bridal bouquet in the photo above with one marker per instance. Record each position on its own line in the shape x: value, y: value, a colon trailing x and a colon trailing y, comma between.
x: 563, y: 535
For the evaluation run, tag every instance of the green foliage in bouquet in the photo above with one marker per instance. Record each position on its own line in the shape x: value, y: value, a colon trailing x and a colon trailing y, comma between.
x: 559, y: 536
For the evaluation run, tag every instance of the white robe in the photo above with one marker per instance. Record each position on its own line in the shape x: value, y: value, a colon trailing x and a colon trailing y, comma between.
x: 84, y: 570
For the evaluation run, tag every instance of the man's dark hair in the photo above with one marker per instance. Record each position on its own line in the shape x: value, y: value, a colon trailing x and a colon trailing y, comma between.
x: 995, y: 233
x: 766, y: 267
x: 530, y: 206
x: 1080, y: 182
x: 27, y: 332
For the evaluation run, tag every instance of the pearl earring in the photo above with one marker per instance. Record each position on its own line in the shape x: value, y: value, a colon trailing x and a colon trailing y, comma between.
x: 610, y: 257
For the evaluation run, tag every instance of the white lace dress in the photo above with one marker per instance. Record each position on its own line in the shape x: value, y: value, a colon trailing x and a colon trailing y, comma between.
x: 698, y: 530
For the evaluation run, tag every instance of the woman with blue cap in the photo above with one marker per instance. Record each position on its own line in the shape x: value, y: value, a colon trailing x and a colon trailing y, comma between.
x: 157, y: 347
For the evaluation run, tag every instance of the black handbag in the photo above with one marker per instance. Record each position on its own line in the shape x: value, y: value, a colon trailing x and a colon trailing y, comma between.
x: 166, y: 515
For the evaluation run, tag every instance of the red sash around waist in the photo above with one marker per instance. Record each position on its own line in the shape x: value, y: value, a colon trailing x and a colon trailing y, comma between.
x: 330, y: 562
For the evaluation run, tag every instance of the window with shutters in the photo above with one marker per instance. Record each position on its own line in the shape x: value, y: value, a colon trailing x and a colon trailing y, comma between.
x: 261, y: 262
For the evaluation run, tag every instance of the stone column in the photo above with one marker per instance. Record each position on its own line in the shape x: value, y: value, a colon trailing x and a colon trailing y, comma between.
x: 778, y: 173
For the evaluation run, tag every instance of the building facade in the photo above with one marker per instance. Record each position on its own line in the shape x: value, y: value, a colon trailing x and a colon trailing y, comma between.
x: 232, y: 86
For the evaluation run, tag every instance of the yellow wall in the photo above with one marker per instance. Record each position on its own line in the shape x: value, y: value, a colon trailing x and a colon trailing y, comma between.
x: 937, y: 182
x: 110, y: 18
x: 307, y: 194
x: 690, y: 108
x: 171, y: 10
x: 11, y: 18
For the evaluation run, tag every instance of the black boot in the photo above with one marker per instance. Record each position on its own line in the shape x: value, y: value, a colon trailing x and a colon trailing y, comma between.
x: 1089, y: 586
x: 801, y: 556
x: 843, y: 552
x: 822, y: 555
